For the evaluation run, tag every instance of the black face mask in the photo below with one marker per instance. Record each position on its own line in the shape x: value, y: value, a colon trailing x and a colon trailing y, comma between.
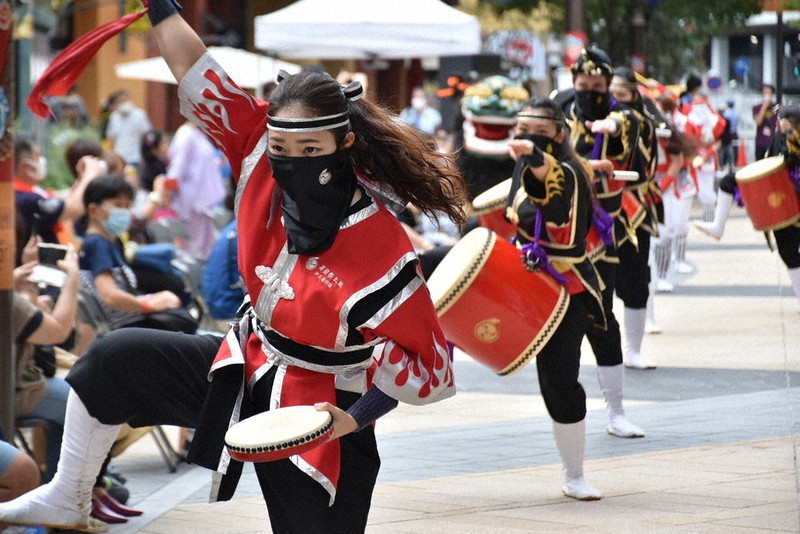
x: 317, y: 193
x: 542, y: 142
x: 592, y: 105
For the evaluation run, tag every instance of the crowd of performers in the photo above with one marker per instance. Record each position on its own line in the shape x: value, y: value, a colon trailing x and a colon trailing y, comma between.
x: 605, y: 175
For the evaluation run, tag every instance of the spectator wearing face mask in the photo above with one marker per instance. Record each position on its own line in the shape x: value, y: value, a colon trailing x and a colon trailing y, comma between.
x: 420, y: 114
x: 107, y: 276
x: 127, y: 124
x: 42, y: 212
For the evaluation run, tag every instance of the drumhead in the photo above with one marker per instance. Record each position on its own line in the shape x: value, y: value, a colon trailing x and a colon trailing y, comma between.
x: 459, y: 267
x: 493, y: 198
x: 759, y: 169
x: 284, y: 429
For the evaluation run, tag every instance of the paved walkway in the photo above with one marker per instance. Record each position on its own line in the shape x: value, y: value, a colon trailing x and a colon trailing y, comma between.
x: 720, y: 412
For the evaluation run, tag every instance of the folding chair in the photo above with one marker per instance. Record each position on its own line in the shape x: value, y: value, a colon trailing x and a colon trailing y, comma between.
x: 29, y: 437
x: 191, y: 270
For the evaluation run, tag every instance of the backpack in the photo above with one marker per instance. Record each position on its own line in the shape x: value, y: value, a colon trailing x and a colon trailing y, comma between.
x: 222, y: 286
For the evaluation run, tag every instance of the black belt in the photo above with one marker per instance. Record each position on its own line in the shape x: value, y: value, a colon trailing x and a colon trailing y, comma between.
x: 314, y: 355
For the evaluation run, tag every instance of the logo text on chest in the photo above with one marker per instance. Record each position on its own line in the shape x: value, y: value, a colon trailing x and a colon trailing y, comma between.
x: 323, y: 273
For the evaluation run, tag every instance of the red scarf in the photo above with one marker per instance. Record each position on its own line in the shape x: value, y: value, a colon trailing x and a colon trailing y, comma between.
x: 71, y: 62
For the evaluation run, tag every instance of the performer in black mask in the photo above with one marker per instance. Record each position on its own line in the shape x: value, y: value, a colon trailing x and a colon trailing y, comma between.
x: 336, y: 291
x: 606, y: 133
x: 551, y: 203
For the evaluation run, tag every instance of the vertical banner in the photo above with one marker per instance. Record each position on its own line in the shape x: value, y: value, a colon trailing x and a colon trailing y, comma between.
x: 7, y: 218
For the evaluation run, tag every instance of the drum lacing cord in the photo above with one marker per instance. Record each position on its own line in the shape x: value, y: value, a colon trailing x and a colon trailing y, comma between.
x: 793, y: 423
x: 535, y: 256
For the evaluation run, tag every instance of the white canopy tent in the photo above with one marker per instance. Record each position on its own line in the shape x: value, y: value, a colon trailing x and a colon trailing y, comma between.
x: 367, y: 29
x: 248, y: 70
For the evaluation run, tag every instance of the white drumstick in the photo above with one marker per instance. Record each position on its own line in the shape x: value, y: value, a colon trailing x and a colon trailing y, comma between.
x: 626, y: 176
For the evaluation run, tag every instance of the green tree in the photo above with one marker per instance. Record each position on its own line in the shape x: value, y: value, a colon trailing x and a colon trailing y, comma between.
x: 676, y: 32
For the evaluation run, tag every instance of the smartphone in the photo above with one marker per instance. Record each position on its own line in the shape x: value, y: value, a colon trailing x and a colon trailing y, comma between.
x: 50, y: 253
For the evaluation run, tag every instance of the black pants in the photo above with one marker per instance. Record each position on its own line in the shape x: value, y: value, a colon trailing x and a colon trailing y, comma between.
x: 606, y: 344
x: 558, y: 365
x: 150, y: 377
x: 633, y: 271
x: 788, y: 242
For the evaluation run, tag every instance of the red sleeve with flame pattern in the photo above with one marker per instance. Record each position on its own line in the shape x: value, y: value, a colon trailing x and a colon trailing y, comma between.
x: 230, y: 116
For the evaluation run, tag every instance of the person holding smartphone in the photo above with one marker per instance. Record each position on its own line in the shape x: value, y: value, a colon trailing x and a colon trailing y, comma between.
x: 35, y: 322
x: 43, y: 213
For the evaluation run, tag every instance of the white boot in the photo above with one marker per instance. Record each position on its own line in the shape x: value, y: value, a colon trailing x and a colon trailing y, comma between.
x: 716, y: 227
x: 794, y: 276
x: 571, y: 443
x: 611, y: 379
x: 650, y: 324
x: 65, y: 502
x: 634, y: 319
x: 662, y: 258
x: 681, y: 265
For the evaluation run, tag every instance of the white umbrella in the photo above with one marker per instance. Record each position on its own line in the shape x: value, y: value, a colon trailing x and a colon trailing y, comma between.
x: 248, y: 70
x: 365, y: 29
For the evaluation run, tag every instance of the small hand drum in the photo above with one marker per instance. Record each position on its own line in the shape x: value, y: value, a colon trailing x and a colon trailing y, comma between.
x: 278, y: 434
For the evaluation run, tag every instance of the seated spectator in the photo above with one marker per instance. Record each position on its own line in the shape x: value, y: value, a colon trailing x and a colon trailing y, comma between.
x: 146, y: 206
x: 39, y: 395
x: 18, y: 473
x: 107, y: 275
x: 35, y: 322
x: 154, y: 158
x: 42, y: 213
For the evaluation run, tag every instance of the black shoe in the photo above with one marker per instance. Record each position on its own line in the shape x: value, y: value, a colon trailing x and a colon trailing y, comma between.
x: 115, y: 474
x: 116, y: 490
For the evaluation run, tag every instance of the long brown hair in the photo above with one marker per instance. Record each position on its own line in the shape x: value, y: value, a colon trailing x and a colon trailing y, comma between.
x: 386, y: 152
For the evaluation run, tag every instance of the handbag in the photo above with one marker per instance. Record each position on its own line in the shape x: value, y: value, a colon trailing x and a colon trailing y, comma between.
x: 31, y: 383
x: 156, y: 256
x: 173, y: 319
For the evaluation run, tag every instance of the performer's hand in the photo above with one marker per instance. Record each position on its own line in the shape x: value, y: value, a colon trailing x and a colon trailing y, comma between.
x: 698, y: 161
x: 527, y: 149
x: 603, y: 126
x: 343, y: 422
x: 602, y: 166
x: 511, y: 216
x: 520, y: 147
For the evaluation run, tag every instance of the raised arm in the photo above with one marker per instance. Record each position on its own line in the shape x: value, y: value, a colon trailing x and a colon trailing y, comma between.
x: 178, y: 43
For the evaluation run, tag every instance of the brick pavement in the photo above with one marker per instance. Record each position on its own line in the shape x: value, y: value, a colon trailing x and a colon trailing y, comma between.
x: 721, y: 415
